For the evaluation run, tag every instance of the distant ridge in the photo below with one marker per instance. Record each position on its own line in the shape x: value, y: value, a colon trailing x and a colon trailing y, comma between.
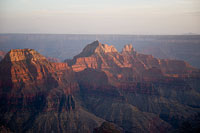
x: 62, y: 46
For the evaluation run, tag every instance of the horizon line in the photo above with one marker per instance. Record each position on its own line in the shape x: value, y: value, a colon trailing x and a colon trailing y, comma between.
x: 184, y: 34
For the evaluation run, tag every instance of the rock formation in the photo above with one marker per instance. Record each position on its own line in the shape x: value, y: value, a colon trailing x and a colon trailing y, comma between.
x: 129, y: 64
x: 37, y: 95
x: 96, y: 47
x: 139, y: 81
x: 100, y: 90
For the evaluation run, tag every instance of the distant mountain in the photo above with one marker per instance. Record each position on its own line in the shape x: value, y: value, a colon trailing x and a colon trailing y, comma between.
x: 190, y: 33
x: 99, y: 90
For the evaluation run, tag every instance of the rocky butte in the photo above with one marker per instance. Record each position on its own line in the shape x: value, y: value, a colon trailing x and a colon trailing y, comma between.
x: 99, y: 90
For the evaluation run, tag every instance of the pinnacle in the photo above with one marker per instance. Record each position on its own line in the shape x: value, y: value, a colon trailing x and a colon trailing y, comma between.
x: 128, y: 48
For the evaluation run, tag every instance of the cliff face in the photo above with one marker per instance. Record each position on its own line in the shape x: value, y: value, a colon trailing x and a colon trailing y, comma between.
x: 136, y: 92
x: 26, y: 76
x: 30, y: 71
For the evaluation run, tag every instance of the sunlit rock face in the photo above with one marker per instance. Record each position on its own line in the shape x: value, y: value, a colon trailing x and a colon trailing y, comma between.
x: 26, y: 74
x: 24, y: 54
x: 30, y: 68
x: 128, y: 64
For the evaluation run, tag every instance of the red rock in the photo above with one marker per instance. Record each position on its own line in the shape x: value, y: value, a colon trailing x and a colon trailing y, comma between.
x: 27, y: 74
x: 128, y: 65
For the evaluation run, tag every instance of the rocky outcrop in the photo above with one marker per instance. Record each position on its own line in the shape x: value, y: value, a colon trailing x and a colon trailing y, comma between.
x: 96, y: 48
x: 23, y: 54
x: 28, y: 70
x: 26, y: 75
x: 128, y: 65
x: 37, y: 95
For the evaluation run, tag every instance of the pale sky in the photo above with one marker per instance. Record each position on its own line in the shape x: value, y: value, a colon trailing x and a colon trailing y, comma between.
x: 100, y: 16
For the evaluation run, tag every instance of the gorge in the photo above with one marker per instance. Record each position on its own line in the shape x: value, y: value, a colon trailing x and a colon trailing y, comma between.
x: 99, y: 90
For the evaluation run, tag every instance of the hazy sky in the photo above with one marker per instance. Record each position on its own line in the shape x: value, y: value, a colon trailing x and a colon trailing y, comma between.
x: 100, y: 16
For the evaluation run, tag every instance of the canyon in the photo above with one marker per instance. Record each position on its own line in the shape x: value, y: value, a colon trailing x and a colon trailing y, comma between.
x: 98, y: 90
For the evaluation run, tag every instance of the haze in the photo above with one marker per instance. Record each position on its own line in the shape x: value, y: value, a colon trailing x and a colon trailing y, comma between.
x: 100, y: 17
